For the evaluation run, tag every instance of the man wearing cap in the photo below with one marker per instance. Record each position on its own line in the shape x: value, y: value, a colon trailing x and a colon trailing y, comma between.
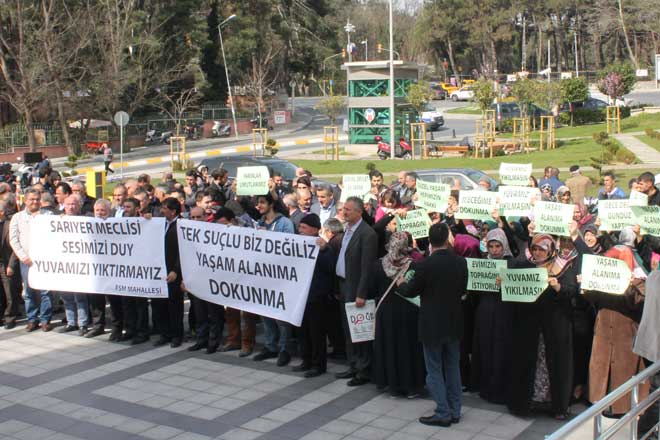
x: 314, y: 333
x: 578, y: 184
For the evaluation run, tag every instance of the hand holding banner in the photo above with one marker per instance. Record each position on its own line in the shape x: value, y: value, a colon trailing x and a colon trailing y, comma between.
x: 516, y: 201
x: 523, y: 285
x: 516, y: 174
x: 432, y: 196
x: 354, y: 185
x: 476, y: 205
x: 482, y: 274
x: 416, y: 222
x: 252, y: 181
x: 638, y: 198
x: 615, y: 214
x: 553, y: 218
x: 603, y: 274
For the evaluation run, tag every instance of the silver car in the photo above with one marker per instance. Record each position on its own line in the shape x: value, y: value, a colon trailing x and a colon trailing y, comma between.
x: 467, y: 177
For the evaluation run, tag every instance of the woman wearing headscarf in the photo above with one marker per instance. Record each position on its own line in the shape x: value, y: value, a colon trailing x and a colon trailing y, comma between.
x: 542, y: 360
x: 612, y: 359
x: 491, y: 347
x: 398, y: 356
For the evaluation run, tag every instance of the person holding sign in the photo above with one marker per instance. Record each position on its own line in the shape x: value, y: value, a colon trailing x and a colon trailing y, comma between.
x: 612, y: 358
x: 398, y: 355
x: 440, y: 281
x: 491, y: 349
x: 542, y: 335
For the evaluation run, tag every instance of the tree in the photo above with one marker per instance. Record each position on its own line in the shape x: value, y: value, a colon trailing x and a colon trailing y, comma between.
x: 612, y: 85
x: 484, y: 93
x: 419, y: 94
x: 525, y: 91
x: 261, y: 77
x: 215, y: 88
x: 574, y: 90
x: 331, y: 106
x: 548, y: 95
x: 176, y: 102
x: 627, y: 74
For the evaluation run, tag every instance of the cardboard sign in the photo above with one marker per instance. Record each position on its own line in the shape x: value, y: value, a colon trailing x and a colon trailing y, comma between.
x: 482, y: 274
x: 516, y: 174
x: 603, y: 274
x: 523, y: 285
x: 648, y: 218
x: 553, y: 218
x: 355, y: 185
x: 361, y: 321
x: 416, y: 222
x: 615, y: 214
x: 252, y: 181
x: 638, y: 198
x: 476, y: 205
x: 516, y: 201
x: 432, y: 196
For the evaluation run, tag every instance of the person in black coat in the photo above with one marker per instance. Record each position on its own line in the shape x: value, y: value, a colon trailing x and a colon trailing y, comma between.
x: 314, y: 332
x: 440, y: 281
x: 10, y: 276
x: 168, y: 312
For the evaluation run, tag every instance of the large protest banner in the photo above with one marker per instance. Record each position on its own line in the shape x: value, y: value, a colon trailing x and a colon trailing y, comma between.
x: 482, y: 274
x: 603, y: 274
x: 615, y: 214
x: 416, y: 222
x: 117, y: 256
x: 553, y: 218
x: 516, y: 174
x: 432, y: 196
x: 258, y: 271
x: 354, y: 185
x: 476, y: 205
x: 523, y: 285
x: 516, y: 201
x: 252, y: 181
x: 648, y: 219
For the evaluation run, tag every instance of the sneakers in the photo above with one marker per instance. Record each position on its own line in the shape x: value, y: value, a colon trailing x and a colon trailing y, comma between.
x: 265, y: 354
x: 83, y: 331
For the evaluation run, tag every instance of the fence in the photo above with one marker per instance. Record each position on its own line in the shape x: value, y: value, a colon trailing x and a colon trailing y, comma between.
x: 594, y: 413
x: 15, y: 135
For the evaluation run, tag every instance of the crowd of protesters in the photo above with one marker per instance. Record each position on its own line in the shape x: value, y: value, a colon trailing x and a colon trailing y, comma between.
x: 567, y: 346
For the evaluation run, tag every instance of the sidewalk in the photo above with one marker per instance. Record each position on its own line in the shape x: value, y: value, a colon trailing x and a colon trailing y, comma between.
x: 644, y: 153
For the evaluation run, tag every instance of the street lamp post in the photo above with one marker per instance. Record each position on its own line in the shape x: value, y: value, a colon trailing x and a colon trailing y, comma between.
x: 366, y: 49
x: 349, y: 48
x: 224, y: 61
x: 391, y: 85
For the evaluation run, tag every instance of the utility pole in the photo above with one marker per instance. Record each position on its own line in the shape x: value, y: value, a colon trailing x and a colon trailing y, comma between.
x: 523, y: 62
x: 575, y: 48
x: 391, y: 86
x: 366, y: 49
x: 349, y: 48
x: 549, y: 60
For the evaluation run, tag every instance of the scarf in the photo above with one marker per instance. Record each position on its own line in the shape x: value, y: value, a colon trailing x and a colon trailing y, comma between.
x: 555, y: 264
x: 398, y: 254
x: 466, y: 246
x: 597, y: 249
x: 499, y: 236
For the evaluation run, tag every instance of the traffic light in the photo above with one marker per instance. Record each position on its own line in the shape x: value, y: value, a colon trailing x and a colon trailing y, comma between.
x: 380, y: 48
x: 343, y: 53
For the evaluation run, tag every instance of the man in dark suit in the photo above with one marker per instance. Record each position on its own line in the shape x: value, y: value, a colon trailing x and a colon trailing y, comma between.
x: 10, y: 270
x: 79, y: 188
x: 168, y: 312
x: 440, y: 281
x: 359, y: 249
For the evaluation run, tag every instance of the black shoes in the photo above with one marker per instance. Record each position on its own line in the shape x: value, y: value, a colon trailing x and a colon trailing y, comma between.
x: 435, y: 421
x: 198, y: 346
x: 162, y: 341
x: 357, y: 381
x: 314, y: 372
x: 95, y: 332
x: 68, y: 329
x: 283, y: 359
x: 300, y: 368
x: 176, y: 342
x: 139, y: 340
x: 265, y: 354
x: 10, y: 325
x: 83, y: 331
x: 348, y: 374
x: 211, y: 349
x: 115, y: 336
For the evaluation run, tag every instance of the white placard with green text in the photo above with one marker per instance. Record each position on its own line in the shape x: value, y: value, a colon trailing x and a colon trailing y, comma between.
x: 553, y: 218
x: 476, y: 205
x: 355, y: 185
x: 516, y: 174
x: 252, y: 181
x: 432, y: 196
x: 603, y: 274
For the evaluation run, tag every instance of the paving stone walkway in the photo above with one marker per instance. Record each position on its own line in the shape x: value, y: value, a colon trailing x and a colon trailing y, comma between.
x: 644, y: 152
x: 63, y: 387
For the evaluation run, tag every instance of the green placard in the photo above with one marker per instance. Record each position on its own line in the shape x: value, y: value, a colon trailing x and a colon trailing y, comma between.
x: 648, y: 218
x: 482, y: 274
x: 553, y: 218
x: 476, y: 205
x: 516, y: 201
x: 615, y: 214
x: 638, y: 198
x: 516, y: 174
x: 416, y: 222
x: 354, y: 185
x: 432, y: 196
x: 252, y: 181
x: 604, y: 274
x: 523, y: 285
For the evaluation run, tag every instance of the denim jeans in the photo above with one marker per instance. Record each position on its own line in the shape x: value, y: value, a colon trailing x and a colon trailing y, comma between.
x: 443, y: 378
x: 76, y: 305
x: 277, y: 334
x: 38, y: 303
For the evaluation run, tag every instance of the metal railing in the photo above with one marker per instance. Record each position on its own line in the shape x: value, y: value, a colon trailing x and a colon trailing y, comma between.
x: 594, y: 413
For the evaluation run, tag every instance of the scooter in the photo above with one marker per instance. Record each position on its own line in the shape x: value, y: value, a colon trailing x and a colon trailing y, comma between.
x: 260, y: 122
x: 404, y: 150
x: 220, y: 130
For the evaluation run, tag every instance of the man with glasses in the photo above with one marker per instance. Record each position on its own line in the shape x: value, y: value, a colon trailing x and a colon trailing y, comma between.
x: 87, y: 202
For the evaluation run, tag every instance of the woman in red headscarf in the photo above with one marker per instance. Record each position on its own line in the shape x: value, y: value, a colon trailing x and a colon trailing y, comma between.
x: 612, y: 359
x: 542, y: 360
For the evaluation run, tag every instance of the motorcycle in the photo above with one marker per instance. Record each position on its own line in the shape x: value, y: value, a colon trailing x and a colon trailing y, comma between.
x: 260, y: 122
x: 155, y: 137
x: 403, y: 151
x: 220, y: 130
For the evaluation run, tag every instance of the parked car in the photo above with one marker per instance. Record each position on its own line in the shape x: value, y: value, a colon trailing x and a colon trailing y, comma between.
x: 433, y: 118
x: 439, y: 92
x: 463, y: 94
x: 508, y: 110
x: 589, y: 104
x: 467, y: 178
x: 448, y: 87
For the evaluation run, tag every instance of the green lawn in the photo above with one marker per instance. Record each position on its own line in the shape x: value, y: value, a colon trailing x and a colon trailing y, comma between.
x: 572, y: 152
x: 469, y: 110
x: 652, y: 142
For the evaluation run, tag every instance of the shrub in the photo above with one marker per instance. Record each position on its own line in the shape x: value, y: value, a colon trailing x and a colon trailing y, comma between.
x: 652, y: 133
x: 600, y: 137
